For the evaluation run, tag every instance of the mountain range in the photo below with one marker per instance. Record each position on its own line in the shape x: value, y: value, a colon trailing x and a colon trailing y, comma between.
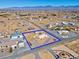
x: 43, y: 8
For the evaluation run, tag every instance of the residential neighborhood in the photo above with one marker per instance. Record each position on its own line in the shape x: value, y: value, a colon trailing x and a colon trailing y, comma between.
x: 39, y: 31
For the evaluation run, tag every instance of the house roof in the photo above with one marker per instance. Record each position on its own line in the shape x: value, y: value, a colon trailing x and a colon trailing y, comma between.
x: 7, y: 42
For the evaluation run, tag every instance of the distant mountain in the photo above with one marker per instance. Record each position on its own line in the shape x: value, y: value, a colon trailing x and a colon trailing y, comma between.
x: 77, y: 6
x: 43, y: 8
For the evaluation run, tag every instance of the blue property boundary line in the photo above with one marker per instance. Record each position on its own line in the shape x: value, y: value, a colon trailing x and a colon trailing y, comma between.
x: 52, y: 35
x: 45, y: 44
x: 26, y: 41
x: 59, y: 39
x: 32, y: 31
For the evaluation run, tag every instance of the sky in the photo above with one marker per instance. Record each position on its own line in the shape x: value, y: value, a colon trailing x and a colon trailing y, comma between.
x: 23, y: 3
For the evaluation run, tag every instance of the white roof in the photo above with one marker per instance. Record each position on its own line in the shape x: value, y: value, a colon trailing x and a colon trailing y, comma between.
x: 8, y: 42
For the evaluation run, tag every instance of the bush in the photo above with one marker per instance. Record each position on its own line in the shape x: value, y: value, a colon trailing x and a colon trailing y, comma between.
x: 10, y: 50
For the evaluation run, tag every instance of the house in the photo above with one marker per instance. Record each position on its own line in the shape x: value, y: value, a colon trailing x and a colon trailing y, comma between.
x: 76, y: 28
x: 1, y: 35
x: 64, y: 33
x: 16, y: 35
x: 20, y: 44
x: 6, y: 45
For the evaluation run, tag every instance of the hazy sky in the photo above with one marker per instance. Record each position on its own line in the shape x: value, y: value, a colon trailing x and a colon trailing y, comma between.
x: 21, y: 3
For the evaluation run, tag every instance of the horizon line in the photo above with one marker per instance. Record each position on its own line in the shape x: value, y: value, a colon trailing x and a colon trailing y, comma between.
x: 40, y: 6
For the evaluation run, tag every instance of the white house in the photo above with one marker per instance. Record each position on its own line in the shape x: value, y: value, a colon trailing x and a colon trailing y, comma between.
x: 64, y: 33
x: 21, y: 44
x: 16, y: 35
x: 8, y: 43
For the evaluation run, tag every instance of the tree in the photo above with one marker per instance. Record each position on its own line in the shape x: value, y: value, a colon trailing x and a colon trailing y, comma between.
x: 10, y: 50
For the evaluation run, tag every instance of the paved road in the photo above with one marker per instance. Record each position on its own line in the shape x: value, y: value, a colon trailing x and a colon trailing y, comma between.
x: 37, y: 55
x: 45, y: 47
x: 50, y: 50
